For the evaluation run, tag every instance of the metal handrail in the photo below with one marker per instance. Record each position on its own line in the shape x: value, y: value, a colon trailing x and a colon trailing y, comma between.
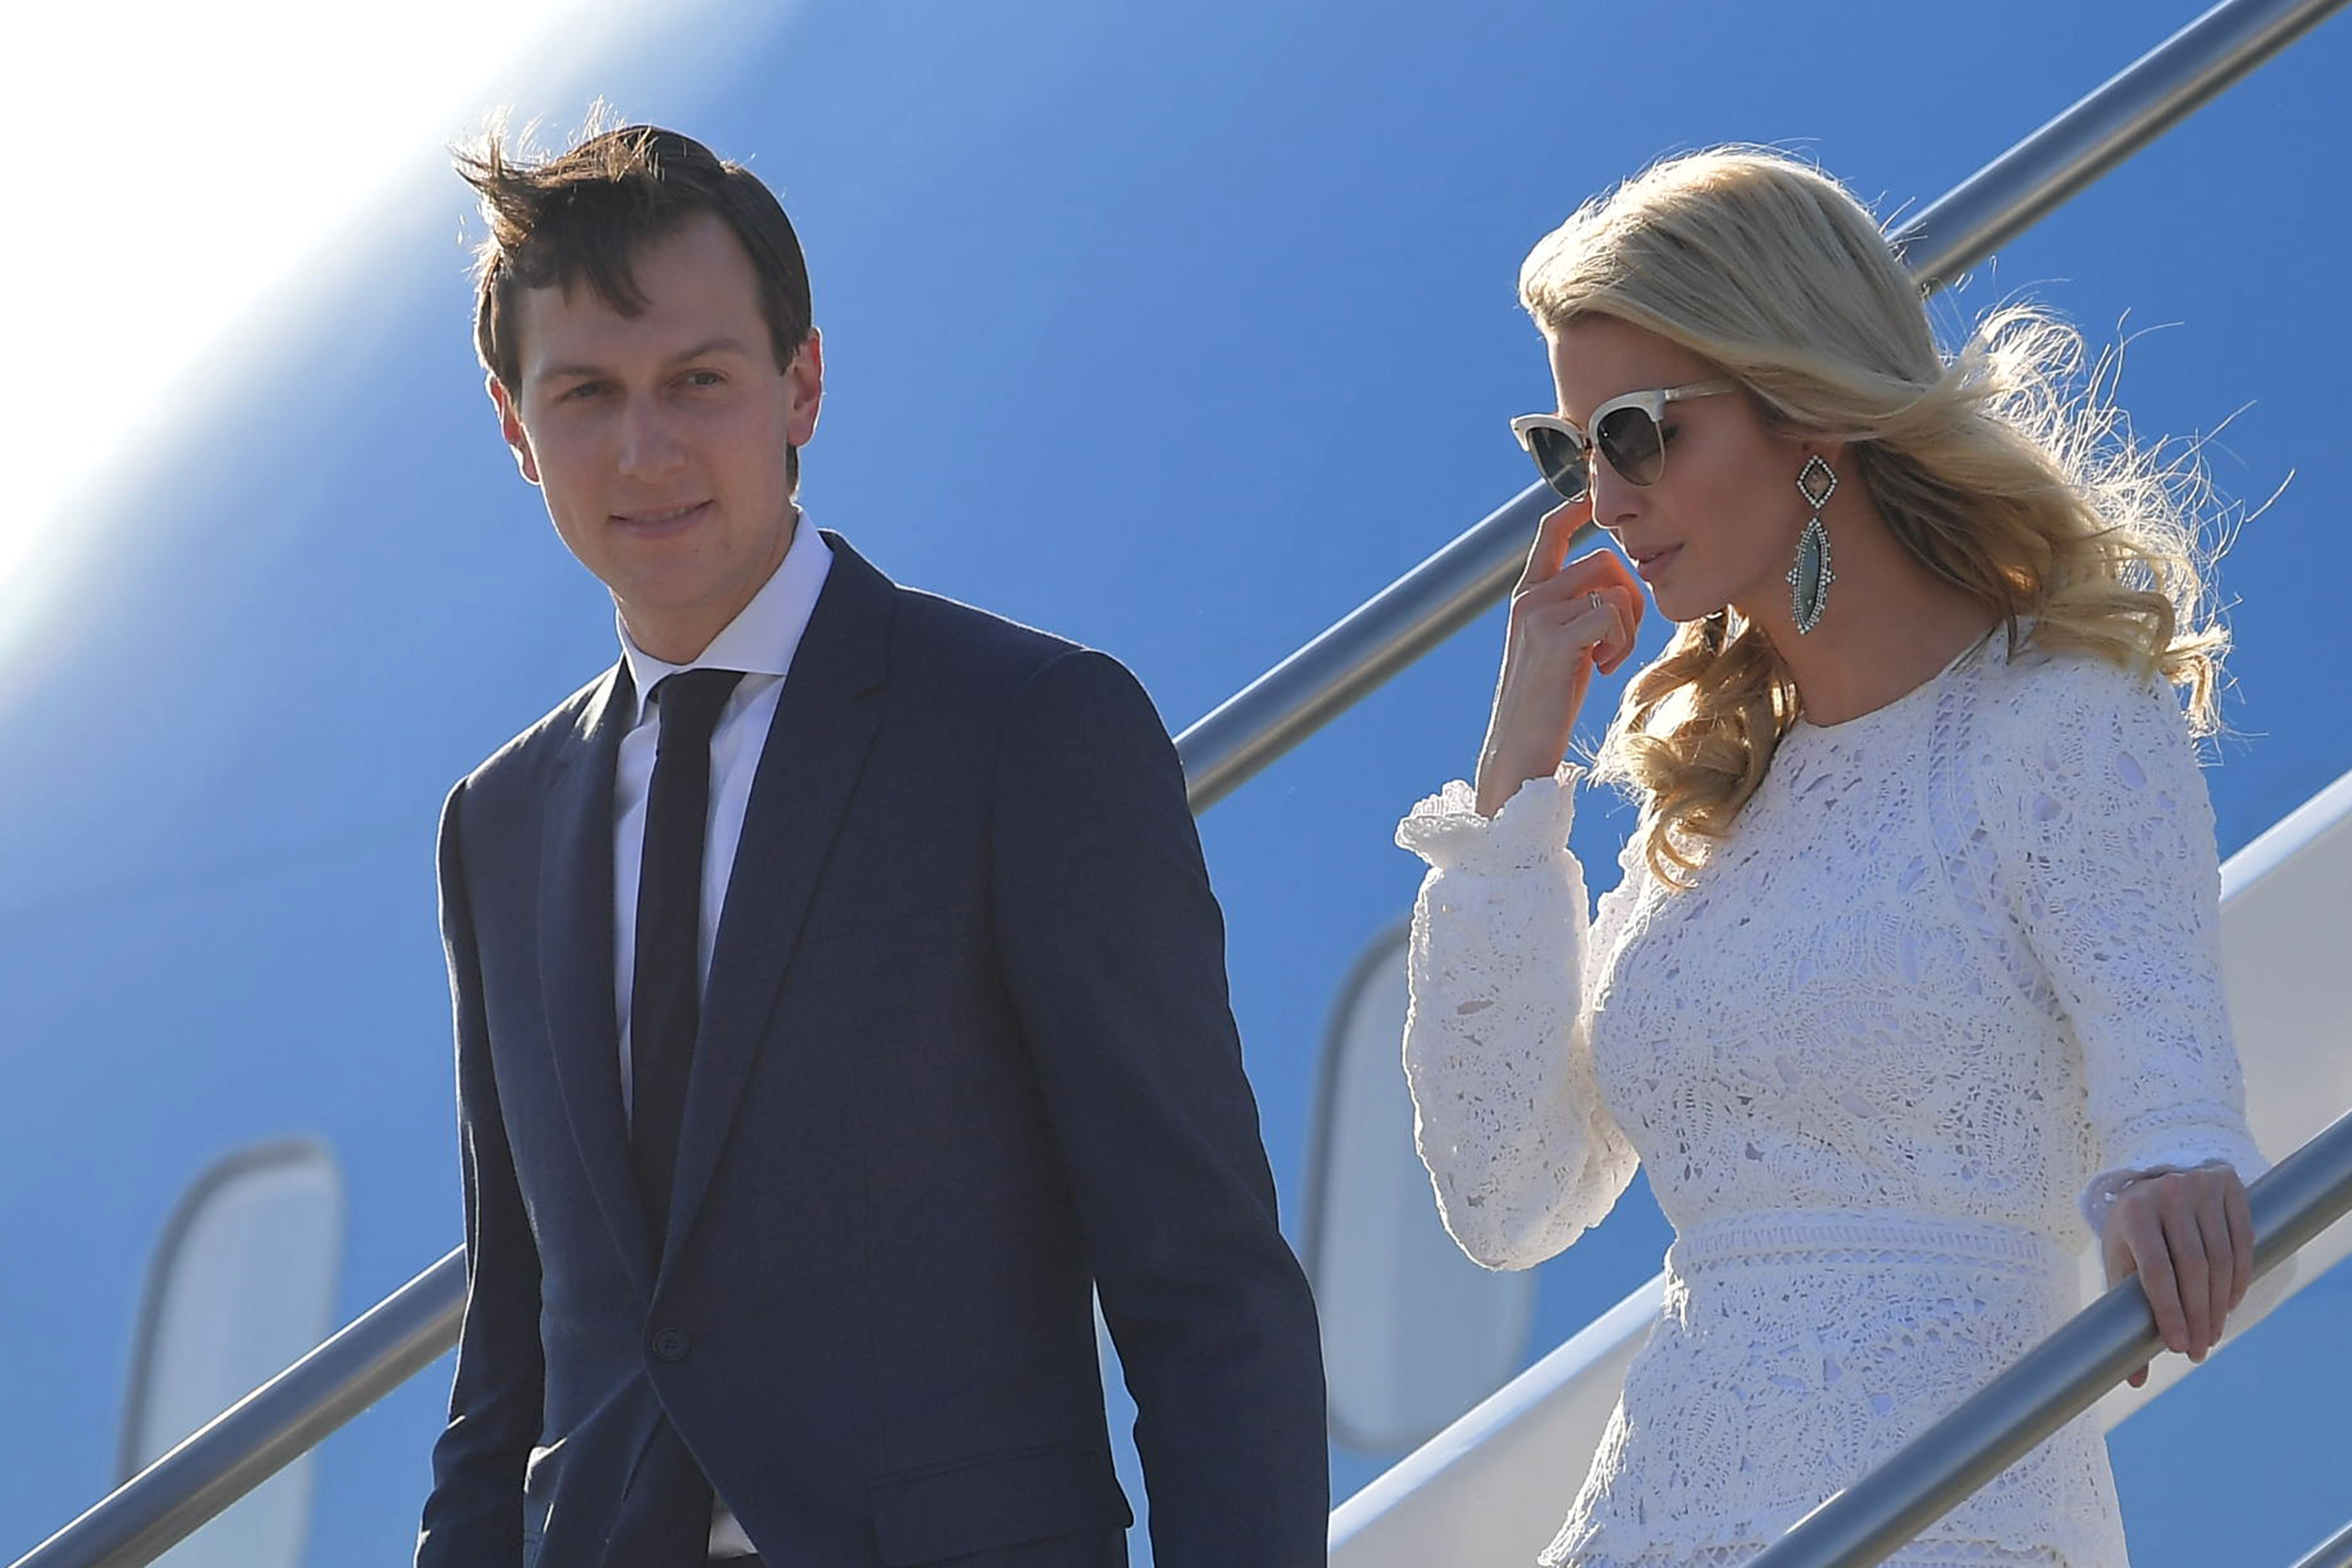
x: 2051, y: 1384
x: 266, y: 1430
x: 2131, y: 108
x: 2336, y: 1552
x: 408, y: 1331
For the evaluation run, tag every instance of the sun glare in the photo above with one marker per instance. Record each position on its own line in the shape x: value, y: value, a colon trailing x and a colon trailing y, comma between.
x: 134, y: 247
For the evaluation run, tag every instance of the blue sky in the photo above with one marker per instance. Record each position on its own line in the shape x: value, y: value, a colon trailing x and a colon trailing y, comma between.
x: 1178, y: 330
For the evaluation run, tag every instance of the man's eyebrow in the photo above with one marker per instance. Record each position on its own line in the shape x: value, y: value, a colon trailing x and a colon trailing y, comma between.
x: 720, y: 345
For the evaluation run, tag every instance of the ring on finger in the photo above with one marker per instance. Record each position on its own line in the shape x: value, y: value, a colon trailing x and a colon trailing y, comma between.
x: 1594, y: 599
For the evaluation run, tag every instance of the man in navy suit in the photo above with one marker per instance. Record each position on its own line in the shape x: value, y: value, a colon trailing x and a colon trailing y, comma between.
x: 840, y: 1002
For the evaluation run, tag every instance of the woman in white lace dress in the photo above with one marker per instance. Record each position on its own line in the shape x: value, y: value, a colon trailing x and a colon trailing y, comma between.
x: 1909, y: 988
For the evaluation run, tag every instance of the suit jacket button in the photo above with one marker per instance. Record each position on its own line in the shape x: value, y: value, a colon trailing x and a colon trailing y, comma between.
x: 671, y: 1344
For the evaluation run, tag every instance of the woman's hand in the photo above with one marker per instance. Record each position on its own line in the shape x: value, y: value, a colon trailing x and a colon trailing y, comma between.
x: 1566, y: 621
x: 2189, y: 1237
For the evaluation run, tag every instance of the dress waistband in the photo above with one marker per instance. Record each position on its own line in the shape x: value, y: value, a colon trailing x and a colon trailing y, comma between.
x: 1817, y: 1237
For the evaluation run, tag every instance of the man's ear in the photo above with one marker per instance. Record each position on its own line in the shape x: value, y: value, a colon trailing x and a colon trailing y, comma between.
x: 510, y: 427
x: 805, y: 387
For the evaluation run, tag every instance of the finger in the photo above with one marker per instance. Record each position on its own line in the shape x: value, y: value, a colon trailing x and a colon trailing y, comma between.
x: 2192, y: 1278
x: 2139, y: 1379
x: 1606, y: 623
x: 2115, y: 1254
x: 1595, y: 569
x: 1573, y: 589
x: 2220, y: 1256
x: 1601, y: 571
x: 1591, y: 624
x: 1611, y: 650
x: 1620, y: 647
x: 2241, y: 1235
x: 1553, y: 536
x: 2154, y: 1267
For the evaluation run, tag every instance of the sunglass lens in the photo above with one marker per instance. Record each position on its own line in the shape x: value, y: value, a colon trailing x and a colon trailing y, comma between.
x: 1561, y: 460
x: 1630, y: 439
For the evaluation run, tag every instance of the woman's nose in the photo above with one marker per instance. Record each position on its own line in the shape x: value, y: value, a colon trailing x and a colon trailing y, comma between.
x: 1615, y: 500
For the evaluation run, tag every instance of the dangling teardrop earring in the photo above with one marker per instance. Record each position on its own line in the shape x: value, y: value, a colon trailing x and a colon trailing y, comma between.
x: 1809, y: 578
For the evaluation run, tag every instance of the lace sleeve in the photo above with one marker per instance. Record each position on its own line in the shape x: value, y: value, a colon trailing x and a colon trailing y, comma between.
x: 1506, y: 1113
x: 2109, y: 831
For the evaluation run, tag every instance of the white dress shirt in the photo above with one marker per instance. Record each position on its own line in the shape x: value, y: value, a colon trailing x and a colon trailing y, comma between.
x: 760, y: 641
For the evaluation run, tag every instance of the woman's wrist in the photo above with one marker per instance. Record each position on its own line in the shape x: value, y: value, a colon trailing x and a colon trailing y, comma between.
x: 1498, y: 779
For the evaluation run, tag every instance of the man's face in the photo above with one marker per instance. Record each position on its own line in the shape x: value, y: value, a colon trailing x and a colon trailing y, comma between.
x: 660, y: 439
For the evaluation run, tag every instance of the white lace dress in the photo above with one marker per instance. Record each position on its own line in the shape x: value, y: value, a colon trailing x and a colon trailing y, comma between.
x: 1952, y: 977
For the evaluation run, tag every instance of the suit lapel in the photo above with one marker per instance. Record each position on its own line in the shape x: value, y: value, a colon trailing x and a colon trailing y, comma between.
x: 816, y: 745
x: 575, y: 935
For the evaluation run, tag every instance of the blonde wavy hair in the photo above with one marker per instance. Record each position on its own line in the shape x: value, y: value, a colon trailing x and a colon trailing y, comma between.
x: 2004, y: 468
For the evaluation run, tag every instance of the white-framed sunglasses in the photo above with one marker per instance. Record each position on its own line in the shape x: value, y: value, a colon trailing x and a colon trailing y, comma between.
x: 1625, y: 429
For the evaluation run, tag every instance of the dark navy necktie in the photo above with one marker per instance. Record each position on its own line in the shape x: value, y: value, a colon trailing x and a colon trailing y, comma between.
x: 666, y: 997
x: 665, y: 1522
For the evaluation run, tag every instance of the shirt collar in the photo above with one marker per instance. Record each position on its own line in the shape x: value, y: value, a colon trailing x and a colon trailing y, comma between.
x: 763, y: 636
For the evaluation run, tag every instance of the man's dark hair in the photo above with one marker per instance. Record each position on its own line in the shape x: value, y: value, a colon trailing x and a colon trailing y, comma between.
x: 584, y: 213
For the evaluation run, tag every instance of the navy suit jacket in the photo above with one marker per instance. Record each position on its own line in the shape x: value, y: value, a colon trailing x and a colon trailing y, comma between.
x: 965, y: 1060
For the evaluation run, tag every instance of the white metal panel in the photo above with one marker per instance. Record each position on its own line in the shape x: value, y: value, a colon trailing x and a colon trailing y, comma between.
x: 242, y: 1285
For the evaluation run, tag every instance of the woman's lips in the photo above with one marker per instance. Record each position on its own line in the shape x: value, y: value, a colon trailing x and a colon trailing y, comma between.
x: 1649, y: 565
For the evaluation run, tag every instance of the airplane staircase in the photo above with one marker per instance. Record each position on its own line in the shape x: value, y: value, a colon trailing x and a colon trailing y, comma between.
x: 1489, y: 1488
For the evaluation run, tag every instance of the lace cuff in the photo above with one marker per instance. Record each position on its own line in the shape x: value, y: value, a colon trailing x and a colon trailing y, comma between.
x: 2161, y: 1151
x: 2099, y: 1194
x: 1530, y: 830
